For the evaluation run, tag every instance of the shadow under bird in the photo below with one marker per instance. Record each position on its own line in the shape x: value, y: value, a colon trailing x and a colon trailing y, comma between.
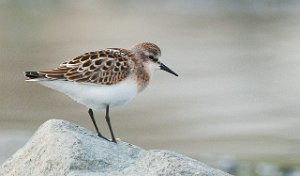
x: 103, y: 79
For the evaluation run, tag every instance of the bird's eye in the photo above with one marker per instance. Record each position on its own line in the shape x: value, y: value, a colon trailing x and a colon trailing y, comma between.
x: 153, y: 58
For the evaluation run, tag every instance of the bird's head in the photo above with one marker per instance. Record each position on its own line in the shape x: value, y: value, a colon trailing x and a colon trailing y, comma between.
x: 150, y: 54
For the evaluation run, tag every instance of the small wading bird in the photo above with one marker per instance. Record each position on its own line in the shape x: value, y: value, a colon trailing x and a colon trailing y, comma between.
x: 102, y: 79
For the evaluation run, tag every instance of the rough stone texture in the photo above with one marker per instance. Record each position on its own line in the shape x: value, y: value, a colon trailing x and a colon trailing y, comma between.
x: 62, y: 148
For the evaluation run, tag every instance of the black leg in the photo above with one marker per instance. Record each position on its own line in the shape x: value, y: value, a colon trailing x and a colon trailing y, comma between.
x: 109, y: 125
x: 94, y: 122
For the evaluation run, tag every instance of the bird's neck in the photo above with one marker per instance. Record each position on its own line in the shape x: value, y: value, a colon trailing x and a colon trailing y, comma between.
x: 142, y: 74
x: 143, y: 77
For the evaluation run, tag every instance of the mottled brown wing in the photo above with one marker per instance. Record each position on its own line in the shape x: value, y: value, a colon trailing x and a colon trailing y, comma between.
x: 105, y: 67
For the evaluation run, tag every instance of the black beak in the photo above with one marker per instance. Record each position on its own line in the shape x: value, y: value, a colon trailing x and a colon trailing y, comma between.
x: 165, y: 68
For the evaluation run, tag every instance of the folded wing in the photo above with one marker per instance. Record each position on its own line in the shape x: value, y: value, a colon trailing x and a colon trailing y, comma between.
x: 105, y: 67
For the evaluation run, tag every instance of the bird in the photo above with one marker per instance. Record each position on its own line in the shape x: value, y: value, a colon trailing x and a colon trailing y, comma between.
x: 104, y: 79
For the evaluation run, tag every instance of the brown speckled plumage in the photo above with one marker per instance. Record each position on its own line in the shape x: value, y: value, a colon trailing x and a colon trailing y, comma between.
x: 108, y: 66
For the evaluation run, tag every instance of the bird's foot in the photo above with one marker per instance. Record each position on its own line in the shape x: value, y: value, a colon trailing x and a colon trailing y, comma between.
x: 103, y: 137
x: 113, y: 140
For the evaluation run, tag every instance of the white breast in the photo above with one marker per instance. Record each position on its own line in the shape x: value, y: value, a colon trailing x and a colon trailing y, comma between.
x: 96, y: 96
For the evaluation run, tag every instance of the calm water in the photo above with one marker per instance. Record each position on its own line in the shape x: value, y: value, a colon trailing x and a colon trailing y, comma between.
x: 237, y: 97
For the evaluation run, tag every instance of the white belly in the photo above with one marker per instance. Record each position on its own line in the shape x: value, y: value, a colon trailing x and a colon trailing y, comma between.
x: 96, y: 96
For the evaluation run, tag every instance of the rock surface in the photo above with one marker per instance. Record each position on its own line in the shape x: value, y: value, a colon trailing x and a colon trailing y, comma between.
x: 62, y: 148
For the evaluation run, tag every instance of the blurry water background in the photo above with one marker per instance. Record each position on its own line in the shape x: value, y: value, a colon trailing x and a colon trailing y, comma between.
x: 235, y: 105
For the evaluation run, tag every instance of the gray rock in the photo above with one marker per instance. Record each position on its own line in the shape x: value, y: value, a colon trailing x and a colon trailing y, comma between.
x: 62, y: 148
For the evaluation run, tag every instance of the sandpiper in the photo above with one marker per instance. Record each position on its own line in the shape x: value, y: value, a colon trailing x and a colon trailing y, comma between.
x: 103, y: 79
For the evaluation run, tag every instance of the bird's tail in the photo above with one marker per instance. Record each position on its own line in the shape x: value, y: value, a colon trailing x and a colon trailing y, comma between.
x: 33, y: 76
